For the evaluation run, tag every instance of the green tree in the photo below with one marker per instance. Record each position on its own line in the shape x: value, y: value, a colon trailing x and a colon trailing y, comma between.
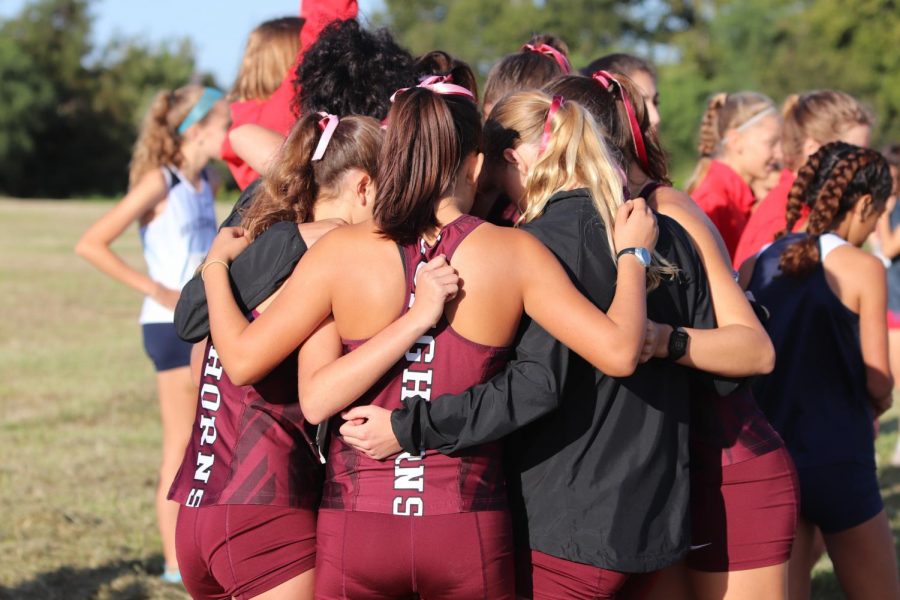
x: 69, y: 115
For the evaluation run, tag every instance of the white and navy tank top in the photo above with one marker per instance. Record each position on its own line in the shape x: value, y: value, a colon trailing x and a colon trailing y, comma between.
x: 178, y: 238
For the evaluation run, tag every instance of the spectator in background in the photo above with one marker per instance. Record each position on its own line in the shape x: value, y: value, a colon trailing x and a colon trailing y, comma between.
x: 888, y: 234
x: 277, y: 112
x: 740, y: 137
x: 810, y: 120
x: 638, y: 70
x: 271, y: 50
x: 827, y: 299
x: 172, y: 199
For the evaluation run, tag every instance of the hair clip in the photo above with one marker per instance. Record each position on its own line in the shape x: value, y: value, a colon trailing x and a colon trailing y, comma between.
x: 557, y: 103
x: 440, y: 84
x: 548, y: 50
x: 327, y: 124
x: 609, y: 81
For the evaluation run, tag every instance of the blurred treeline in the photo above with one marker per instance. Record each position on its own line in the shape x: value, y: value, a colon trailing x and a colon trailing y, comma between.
x: 700, y: 47
x: 69, y: 111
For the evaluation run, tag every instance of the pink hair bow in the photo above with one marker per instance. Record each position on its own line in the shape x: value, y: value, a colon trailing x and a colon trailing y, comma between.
x: 553, y: 53
x: 609, y: 82
x: 440, y: 84
x: 328, y: 123
x: 557, y: 103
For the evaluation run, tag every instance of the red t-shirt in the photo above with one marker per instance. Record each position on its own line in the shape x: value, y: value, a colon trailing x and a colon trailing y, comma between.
x: 768, y: 219
x: 727, y: 200
x: 275, y: 113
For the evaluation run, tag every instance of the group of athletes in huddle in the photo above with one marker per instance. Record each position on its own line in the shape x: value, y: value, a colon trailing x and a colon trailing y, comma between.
x: 514, y: 361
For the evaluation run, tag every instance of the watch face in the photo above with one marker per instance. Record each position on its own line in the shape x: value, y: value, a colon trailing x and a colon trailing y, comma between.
x: 643, y: 255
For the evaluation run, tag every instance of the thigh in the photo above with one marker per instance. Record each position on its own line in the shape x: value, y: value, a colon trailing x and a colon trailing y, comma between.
x: 191, y: 544
x: 177, y: 408
x: 770, y: 582
x: 464, y: 556
x: 554, y: 578
x: 670, y: 583
x: 864, y: 560
x: 265, y: 547
x: 364, y: 556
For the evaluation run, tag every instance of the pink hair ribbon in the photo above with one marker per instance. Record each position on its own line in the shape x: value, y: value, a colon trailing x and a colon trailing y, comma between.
x: 557, y: 103
x: 328, y: 123
x: 440, y: 84
x: 608, y: 81
x: 553, y: 53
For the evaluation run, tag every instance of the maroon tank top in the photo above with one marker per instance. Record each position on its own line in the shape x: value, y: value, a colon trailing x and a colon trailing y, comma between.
x: 440, y: 362
x: 250, y: 444
x: 724, y: 430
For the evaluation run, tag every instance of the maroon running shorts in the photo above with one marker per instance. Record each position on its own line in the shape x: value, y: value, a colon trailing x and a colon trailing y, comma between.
x: 374, y: 555
x: 242, y: 550
x: 744, y: 518
x: 544, y: 577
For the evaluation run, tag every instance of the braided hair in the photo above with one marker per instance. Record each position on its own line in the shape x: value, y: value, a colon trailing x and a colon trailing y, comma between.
x: 831, y: 183
x: 724, y: 112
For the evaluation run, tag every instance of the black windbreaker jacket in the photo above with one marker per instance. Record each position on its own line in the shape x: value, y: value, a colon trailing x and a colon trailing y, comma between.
x: 597, y: 466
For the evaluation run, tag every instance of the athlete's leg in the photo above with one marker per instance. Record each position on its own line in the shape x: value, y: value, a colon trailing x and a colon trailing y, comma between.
x: 764, y: 582
x: 178, y: 404
x: 864, y: 560
x: 300, y: 587
x: 670, y: 583
x: 801, y: 563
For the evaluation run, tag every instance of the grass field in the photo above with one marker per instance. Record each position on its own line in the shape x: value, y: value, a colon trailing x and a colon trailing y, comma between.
x: 79, y: 432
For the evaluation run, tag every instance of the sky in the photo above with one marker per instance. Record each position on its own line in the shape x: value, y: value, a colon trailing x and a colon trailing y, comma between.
x: 219, y: 28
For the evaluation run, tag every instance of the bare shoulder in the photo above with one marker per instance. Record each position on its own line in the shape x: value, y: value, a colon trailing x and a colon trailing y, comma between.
x: 343, y: 238
x: 856, y: 268
x: 681, y: 207
x: 507, y: 243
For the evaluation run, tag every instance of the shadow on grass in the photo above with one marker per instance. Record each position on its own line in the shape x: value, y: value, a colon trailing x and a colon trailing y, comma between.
x: 118, y: 580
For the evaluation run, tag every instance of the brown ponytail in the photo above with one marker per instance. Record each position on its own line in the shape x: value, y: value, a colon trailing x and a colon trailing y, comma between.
x: 830, y: 183
x: 291, y: 188
x: 428, y: 137
x: 158, y: 142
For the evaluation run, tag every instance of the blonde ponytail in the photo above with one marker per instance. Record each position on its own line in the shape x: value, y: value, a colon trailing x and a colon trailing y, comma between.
x: 575, y: 155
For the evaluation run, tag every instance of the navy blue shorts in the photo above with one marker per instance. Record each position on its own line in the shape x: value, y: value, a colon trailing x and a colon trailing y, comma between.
x: 164, y: 347
x: 838, y: 497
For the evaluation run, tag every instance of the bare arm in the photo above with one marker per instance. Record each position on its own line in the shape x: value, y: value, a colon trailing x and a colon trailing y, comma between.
x: 247, y: 350
x: 330, y: 382
x: 256, y: 145
x: 94, y: 245
x: 611, y: 342
x: 889, y: 238
x: 873, y: 331
x: 739, y: 346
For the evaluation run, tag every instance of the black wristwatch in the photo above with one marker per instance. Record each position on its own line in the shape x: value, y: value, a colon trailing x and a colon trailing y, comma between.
x: 678, y: 343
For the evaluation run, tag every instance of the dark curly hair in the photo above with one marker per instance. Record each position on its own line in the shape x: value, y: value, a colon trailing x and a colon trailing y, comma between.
x: 830, y: 184
x: 352, y: 71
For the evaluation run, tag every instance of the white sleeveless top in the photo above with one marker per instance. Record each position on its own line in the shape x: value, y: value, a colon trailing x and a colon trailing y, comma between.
x: 177, y: 239
x: 829, y: 242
